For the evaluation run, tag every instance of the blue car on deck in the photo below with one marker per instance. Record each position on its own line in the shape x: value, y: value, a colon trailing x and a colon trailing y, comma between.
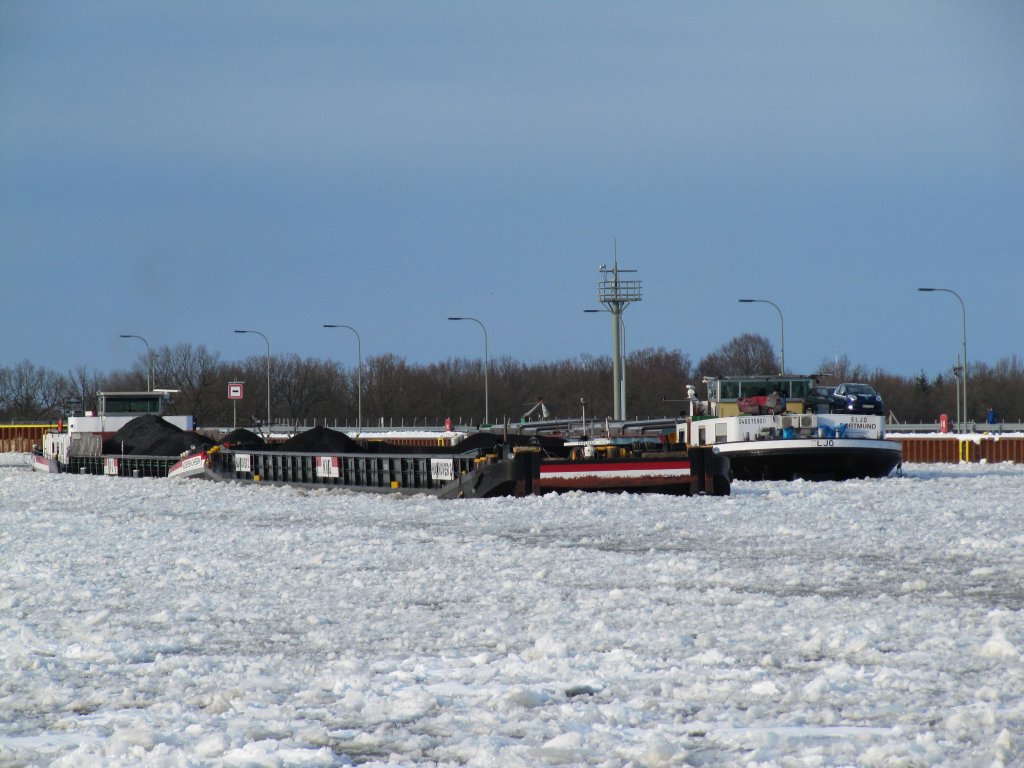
x: 856, y: 398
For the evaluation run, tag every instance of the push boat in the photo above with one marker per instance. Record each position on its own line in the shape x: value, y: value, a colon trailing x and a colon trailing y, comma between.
x: 77, y: 445
x: 761, y: 424
x: 460, y: 465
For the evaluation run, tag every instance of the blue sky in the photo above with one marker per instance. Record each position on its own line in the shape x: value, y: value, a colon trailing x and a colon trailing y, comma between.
x: 179, y: 170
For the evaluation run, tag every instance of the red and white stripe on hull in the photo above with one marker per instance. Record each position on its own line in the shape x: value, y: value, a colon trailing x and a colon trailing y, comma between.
x: 641, y: 469
x: 650, y: 476
x: 42, y: 463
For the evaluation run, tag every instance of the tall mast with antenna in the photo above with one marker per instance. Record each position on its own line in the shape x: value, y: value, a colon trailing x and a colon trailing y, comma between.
x: 616, y: 294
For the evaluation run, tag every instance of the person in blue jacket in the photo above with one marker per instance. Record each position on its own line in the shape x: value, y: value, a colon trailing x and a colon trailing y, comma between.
x: 991, y: 417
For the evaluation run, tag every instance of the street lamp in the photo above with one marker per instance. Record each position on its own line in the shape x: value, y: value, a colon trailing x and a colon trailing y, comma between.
x: 487, y: 364
x: 782, y: 324
x: 359, y: 374
x: 622, y: 357
x: 268, y: 375
x: 149, y: 359
x: 963, y: 321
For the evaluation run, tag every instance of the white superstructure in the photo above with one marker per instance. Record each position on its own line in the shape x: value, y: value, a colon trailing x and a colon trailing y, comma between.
x: 761, y: 424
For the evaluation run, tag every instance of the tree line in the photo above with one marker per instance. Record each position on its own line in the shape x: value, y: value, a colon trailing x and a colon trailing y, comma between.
x: 396, y: 392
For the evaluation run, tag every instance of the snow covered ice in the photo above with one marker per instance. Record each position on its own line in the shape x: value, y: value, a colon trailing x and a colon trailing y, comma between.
x: 160, y: 623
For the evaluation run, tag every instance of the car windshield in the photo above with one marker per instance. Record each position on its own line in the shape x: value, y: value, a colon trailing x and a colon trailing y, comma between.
x: 859, y: 389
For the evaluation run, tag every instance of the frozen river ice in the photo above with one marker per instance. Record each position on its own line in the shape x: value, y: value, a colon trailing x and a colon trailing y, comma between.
x: 161, y: 623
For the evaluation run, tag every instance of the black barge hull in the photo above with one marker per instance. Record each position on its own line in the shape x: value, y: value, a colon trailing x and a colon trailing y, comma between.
x: 445, y: 476
x: 812, y: 460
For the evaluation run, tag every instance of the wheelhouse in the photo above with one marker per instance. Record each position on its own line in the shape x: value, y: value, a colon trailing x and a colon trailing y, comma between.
x: 134, y: 403
x: 725, y: 393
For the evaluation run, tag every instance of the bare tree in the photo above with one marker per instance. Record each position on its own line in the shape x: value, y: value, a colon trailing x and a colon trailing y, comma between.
x: 137, y: 379
x: 655, y: 375
x: 386, y: 379
x: 394, y: 389
x: 568, y: 384
x: 305, y: 386
x: 192, y: 371
x: 120, y: 381
x: 5, y: 390
x: 747, y: 354
x: 1000, y: 387
x: 445, y: 388
x: 509, y: 388
x: 84, y: 384
x: 32, y: 392
x: 840, y: 369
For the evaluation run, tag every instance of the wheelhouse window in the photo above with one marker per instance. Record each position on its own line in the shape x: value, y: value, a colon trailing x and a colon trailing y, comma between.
x: 728, y: 390
x: 756, y: 388
x: 800, y: 388
x: 129, y: 402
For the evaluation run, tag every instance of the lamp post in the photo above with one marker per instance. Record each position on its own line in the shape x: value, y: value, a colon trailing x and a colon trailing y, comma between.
x: 782, y: 327
x: 622, y: 358
x: 268, y: 375
x: 487, y: 408
x: 957, y: 371
x: 149, y: 359
x: 963, y: 322
x: 359, y: 374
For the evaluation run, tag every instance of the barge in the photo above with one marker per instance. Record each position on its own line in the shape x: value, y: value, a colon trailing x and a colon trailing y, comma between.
x: 471, y: 474
x: 480, y: 464
x: 94, y: 442
x: 635, y: 464
x: 505, y: 467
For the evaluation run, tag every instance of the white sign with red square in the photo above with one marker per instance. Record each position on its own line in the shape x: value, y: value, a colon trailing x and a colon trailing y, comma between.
x: 327, y: 466
x: 234, y: 391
